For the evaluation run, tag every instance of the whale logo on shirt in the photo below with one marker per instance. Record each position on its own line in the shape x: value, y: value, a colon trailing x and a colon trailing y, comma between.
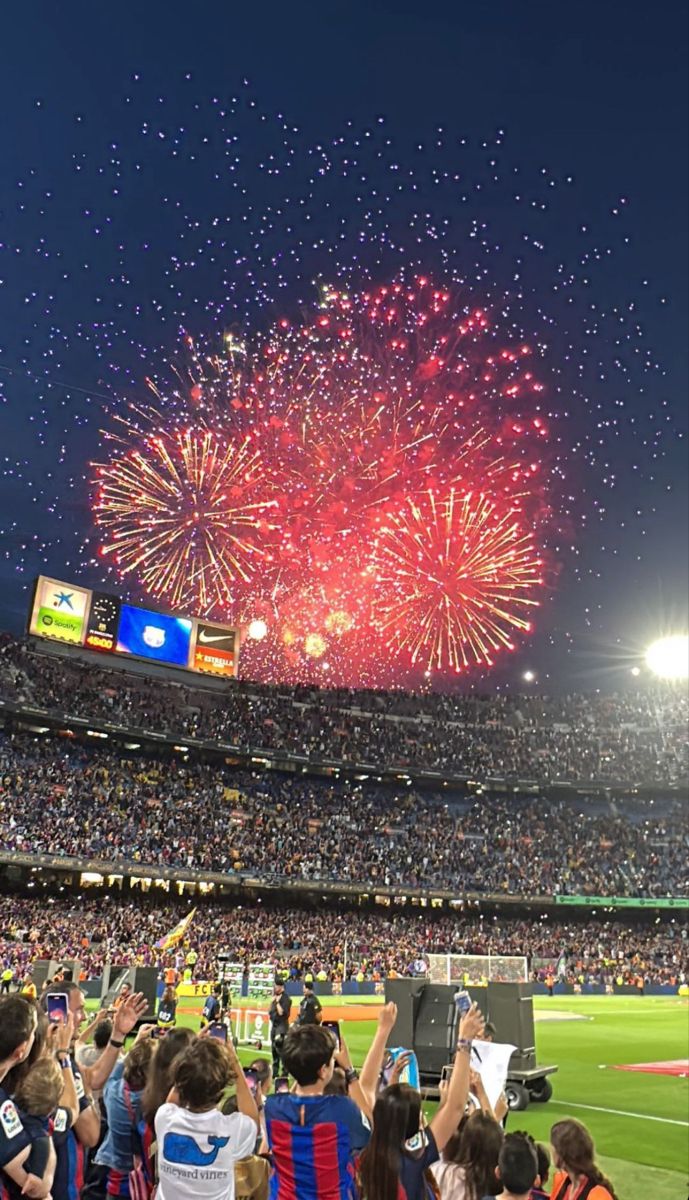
x: 183, y: 1149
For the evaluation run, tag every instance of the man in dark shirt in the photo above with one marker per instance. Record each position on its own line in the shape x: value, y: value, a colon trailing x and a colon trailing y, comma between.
x: 310, y: 1008
x: 280, y: 1009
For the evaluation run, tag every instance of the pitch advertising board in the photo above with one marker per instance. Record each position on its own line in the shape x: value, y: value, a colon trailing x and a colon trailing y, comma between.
x: 148, y: 634
x: 58, y: 611
x: 215, y: 649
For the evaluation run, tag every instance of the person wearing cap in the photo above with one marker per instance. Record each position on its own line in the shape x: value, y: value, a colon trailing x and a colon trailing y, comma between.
x: 279, y: 1012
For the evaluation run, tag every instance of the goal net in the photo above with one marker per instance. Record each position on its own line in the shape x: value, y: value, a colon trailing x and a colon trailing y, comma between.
x: 477, y: 970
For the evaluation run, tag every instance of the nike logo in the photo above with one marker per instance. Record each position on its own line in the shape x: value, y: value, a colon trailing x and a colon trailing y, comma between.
x: 222, y: 637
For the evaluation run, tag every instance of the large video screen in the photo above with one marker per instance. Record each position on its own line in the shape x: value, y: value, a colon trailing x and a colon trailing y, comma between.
x: 58, y: 611
x: 152, y: 635
x: 100, y: 621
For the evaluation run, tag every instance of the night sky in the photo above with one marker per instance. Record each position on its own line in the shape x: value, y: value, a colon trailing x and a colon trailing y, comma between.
x: 147, y: 153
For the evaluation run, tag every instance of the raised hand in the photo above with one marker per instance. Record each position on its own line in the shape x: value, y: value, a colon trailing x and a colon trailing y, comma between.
x: 472, y: 1024
x: 387, y: 1016
x: 130, y: 1011
x: 400, y: 1066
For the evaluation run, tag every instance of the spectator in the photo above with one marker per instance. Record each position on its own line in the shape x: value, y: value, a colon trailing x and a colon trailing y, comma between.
x: 87, y: 1055
x: 517, y: 1168
x: 37, y: 1098
x: 198, y: 1145
x: 122, y: 1098
x: 18, y: 1025
x: 402, y: 1149
x: 156, y: 1091
x: 575, y: 1165
x: 299, y: 1122
x: 466, y: 1170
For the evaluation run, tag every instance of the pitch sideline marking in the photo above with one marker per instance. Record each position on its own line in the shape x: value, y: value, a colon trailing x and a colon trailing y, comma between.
x: 616, y: 1112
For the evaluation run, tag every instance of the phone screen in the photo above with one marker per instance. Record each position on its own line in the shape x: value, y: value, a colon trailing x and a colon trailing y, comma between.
x: 58, y: 1007
x: 282, y: 1083
x: 334, y: 1027
x: 252, y: 1080
x: 218, y: 1031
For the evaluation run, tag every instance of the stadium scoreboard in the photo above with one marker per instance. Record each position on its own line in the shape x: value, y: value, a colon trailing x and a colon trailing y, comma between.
x: 65, y: 612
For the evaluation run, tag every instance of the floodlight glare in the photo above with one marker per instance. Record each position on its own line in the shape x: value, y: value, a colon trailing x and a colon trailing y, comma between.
x: 668, y: 657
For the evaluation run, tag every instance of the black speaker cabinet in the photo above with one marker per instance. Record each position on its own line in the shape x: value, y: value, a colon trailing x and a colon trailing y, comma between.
x: 511, y: 1011
x: 427, y: 1020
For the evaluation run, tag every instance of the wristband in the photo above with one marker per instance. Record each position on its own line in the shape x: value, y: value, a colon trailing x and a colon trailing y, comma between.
x: 116, y: 1044
x: 64, y: 1060
x: 350, y: 1075
x: 464, y: 1045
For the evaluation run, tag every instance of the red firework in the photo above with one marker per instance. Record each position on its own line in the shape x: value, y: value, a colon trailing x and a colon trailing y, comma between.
x: 406, y: 501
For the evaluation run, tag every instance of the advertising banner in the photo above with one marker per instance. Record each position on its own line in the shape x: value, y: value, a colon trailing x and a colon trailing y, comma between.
x: 215, y: 649
x: 625, y: 901
x: 148, y: 634
x: 104, y: 617
x: 59, y: 610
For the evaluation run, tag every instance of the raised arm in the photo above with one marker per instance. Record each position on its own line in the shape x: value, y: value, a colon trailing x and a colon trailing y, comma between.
x: 126, y: 1017
x: 447, y: 1117
x: 373, y: 1064
x: 245, y: 1101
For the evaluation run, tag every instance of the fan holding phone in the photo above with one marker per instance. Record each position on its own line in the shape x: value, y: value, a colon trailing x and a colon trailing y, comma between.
x: 403, y: 1147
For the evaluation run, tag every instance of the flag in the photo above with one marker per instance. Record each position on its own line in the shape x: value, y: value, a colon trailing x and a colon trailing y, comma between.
x: 177, y: 934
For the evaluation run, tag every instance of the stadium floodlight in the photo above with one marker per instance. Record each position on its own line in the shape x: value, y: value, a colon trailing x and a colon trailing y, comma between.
x: 668, y: 657
x: 529, y: 676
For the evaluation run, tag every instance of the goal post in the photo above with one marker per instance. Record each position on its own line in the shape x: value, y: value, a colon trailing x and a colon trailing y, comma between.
x: 477, y: 970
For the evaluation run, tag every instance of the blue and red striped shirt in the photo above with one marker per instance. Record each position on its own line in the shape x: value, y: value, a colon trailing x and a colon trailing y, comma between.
x: 314, y: 1141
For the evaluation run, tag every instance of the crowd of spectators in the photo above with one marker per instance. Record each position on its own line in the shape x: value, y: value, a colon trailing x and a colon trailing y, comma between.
x: 635, y: 739
x: 334, y: 943
x: 105, y: 805
x: 84, y: 1114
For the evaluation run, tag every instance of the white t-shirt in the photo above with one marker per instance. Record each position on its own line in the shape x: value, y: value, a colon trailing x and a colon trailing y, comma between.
x: 197, y: 1152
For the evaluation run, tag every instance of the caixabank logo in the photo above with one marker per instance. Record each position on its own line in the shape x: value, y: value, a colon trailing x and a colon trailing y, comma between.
x: 58, y: 610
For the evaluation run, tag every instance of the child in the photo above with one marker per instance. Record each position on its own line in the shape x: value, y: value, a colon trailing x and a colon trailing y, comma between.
x: 36, y: 1100
x: 540, y: 1189
x: 198, y: 1145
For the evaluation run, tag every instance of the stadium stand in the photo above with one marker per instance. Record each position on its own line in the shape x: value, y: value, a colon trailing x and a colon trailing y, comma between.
x: 341, y: 942
x: 638, y: 739
x: 113, y: 805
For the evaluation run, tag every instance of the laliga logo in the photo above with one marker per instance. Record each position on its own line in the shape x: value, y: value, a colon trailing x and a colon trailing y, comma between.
x: 154, y: 636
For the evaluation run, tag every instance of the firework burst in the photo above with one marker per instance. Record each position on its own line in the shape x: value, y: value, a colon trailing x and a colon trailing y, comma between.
x: 321, y: 455
x: 185, y: 513
x: 458, y: 577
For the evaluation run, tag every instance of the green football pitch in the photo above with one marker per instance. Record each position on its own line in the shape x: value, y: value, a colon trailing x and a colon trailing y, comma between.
x: 640, y: 1121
